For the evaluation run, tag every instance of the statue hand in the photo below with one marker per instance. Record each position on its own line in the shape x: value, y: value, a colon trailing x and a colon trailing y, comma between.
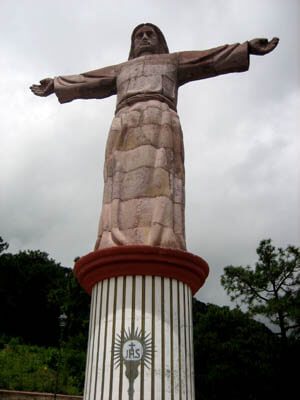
x: 260, y: 47
x: 45, y: 88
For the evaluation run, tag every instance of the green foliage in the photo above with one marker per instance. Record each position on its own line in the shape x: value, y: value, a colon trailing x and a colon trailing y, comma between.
x: 28, y: 280
x: 33, y: 368
x: 237, y: 357
x: 272, y: 288
x: 34, y: 291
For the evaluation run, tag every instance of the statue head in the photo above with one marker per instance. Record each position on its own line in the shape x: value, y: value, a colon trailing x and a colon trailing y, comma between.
x: 147, y: 39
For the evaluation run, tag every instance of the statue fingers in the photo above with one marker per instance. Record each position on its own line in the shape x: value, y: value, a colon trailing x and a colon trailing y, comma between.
x: 272, y: 44
x: 275, y: 41
x: 34, y: 88
x: 45, y: 88
x: 37, y: 90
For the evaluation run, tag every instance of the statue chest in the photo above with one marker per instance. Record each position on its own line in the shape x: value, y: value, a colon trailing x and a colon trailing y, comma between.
x: 155, y: 74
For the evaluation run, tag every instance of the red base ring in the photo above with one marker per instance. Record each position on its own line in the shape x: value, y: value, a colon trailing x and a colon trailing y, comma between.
x: 141, y: 260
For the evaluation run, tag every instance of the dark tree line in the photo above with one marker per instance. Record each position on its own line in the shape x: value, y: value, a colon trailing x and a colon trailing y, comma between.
x: 236, y: 357
x: 34, y: 292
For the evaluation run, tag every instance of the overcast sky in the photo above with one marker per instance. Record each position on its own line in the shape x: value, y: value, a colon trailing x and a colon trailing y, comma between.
x: 241, y: 131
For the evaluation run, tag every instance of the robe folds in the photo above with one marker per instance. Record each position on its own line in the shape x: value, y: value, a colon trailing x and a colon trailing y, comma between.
x: 144, y: 196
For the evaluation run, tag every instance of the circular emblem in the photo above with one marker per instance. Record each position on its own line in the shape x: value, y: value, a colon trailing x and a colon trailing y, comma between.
x: 132, y: 350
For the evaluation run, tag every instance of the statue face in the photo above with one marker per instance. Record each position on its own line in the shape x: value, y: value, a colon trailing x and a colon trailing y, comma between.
x: 145, y: 41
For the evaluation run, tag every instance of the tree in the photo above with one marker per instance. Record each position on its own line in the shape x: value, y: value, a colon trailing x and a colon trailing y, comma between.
x: 3, y: 245
x: 236, y: 357
x: 272, y: 288
x: 34, y: 291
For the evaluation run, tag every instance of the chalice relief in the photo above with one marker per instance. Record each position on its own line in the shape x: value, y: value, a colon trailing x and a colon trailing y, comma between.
x: 132, y: 348
x: 144, y: 197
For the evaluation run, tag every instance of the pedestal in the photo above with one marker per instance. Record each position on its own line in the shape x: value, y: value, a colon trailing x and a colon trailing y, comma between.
x: 140, y: 336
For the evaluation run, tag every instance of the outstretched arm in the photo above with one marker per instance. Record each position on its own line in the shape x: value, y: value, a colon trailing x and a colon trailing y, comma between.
x: 194, y: 65
x: 260, y: 47
x: 95, y: 84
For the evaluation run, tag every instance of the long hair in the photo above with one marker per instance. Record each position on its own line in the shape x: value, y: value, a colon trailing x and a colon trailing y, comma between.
x: 162, y: 44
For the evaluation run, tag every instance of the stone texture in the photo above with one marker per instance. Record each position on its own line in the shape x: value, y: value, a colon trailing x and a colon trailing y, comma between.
x: 144, y: 178
x: 142, y: 156
x: 145, y: 75
x: 143, y: 199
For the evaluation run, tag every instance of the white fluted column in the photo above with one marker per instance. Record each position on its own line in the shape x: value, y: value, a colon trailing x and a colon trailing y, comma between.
x: 154, y: 312
x: 141, y: 335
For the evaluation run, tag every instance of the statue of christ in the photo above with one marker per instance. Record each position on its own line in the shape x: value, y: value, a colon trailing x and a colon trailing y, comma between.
x: 144, y: 196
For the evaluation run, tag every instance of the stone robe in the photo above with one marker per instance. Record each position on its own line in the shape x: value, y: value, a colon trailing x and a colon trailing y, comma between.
x: 144, y: 197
